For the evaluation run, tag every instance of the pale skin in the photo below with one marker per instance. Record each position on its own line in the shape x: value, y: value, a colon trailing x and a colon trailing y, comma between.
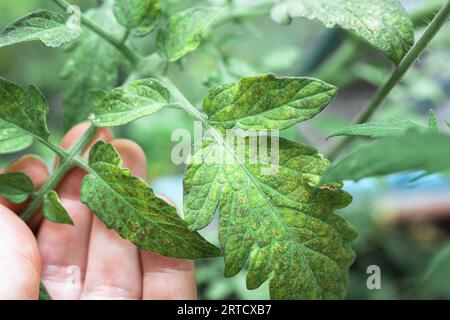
x: 85, y: 261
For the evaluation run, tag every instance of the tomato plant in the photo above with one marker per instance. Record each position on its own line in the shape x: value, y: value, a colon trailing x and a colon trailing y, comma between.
x: 282, y: 224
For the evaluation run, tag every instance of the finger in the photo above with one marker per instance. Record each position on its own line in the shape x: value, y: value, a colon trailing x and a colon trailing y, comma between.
x: 114, y: 268
x: 36, y: 169
x: 20, y: 265
x: 167, y: 278
x: 64, y: 248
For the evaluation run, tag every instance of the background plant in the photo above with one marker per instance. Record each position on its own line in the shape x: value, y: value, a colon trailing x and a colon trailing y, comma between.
x: 282, y: 223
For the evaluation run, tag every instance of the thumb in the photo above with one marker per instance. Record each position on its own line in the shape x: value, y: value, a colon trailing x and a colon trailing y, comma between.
x: 20, y: 264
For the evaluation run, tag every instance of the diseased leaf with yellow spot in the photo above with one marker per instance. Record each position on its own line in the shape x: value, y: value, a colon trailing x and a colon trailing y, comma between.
x: 12, y: 139
x: 23, y: 110
x: 92, y: 64
x: 183, y: 32
x: 128, y: 205
x: 49, y: 27
x: 54, y: 210
x: 15, y: 187
x: 139, y: 16
x: 104, y: 152
x: 274, y: 216
x: 267, y: 102
x: 139, y: 99
x: 384, y: 24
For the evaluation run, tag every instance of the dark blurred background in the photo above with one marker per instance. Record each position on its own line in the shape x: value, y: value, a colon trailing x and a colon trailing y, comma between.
x: 404, y: 223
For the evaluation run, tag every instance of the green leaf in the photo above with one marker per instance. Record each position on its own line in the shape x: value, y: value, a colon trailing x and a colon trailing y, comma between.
x: 47, y: 26
x: 128, y: 205
x: 436, y: 276
x: 92, y: 65
x: 15, y: 187
x: 183, y: 32
x: 278, y: 221
x: 43, y: 293
x: 384, y: 24
x: 24, y: 110
x: 409, y: 152
x: 433, y: 123
x: 393, y: 127
x: 125, y: 104
x: 54, y: 211
x: 12, y: 139
x: 97, y: 96
x: 104, y: 152
x: 139, y: 16
x: 267, y: 102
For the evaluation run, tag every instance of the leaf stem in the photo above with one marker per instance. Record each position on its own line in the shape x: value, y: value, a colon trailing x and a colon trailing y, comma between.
x: 125, y: 36
x: 398, y: 73
x: 67, y: 163
x: 56, y: 149
x: 178, y: 95
x: 131, y: 55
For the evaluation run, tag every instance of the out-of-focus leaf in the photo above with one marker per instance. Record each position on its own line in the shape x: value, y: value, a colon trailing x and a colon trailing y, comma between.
x: 92, y: 65
x: 385, y: 24
x: 128, y: 205
x: 125, y: 104
x: 183, y: 32
x: 49, y: 27
x: 267, y: 102
x: 54, y: 210
x: 409, y: 152
x: 15, y: 187
x: 139, y: 16
x: 433, y: 123
x: 437, y: 277
x: 393, y: 127
x: 277, y: 220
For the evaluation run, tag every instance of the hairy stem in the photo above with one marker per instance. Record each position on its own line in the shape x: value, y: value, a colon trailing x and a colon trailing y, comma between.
x: 398, y: 73
x: 67, y: 163
x: 132, y: 56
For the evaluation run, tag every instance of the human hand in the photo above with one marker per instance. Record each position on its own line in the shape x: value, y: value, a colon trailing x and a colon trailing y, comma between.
x: 84, y: 261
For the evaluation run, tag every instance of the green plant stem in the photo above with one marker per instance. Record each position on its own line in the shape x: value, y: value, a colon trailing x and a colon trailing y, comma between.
x: 187, y: 106
x: 398, y: 73
x: 132, y: 56
x: 67, y: 163
x: 423, y: 15
x: 125, y: 36
x: 56, y: 149
x: 194, y: 112
x: 335, y: 70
